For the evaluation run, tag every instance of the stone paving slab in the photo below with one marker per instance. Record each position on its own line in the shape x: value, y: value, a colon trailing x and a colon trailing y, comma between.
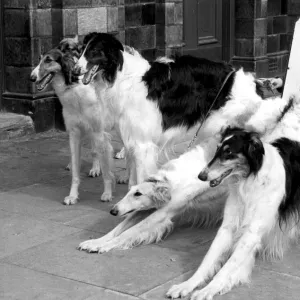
x: 19, y: 232
x: 290, y: 264
x: 19, y: 283
x: 133, y: 272
x: 265, y: 285
x: 41, y: 234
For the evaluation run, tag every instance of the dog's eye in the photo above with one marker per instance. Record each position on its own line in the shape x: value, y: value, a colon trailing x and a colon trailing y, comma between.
x: 227, y: 151
x: 137, y: 194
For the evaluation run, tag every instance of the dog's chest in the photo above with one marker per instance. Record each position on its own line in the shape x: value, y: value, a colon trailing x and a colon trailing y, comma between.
x: 82, y: 109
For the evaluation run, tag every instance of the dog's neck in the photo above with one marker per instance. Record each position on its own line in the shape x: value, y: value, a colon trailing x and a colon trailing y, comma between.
x: 59, y: 84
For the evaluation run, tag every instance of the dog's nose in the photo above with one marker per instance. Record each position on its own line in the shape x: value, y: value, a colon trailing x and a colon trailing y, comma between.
x: 33, y: 78
x: 202, y: 176
x: 114, y: 211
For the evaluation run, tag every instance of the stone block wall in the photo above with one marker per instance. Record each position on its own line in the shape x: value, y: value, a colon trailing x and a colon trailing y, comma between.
x: 281, y: 20
x: 263, y: 34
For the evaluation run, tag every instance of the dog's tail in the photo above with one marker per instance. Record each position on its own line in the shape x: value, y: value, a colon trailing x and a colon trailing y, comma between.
x: 131, y: 50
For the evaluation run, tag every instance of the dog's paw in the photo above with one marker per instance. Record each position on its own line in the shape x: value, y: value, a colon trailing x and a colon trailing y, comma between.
x: 122, y: 179
x: 206, y: 293
x: 97, y: 245
x: 70, y: 200
x: 89, y: 245
x: 95, y: 172
x: 180, y: 290
x: 120, y: 154
x: 106, y: 197
x: 68, y: 167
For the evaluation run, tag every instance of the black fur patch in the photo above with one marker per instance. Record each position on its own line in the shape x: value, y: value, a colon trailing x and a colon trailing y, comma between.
x: 290, y: 152
x: 185, y: 89
x: 105, y: 50
x: 67, y: 64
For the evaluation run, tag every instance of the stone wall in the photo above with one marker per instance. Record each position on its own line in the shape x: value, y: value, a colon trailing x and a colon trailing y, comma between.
x: 33, y: 27
x: 263, y: 33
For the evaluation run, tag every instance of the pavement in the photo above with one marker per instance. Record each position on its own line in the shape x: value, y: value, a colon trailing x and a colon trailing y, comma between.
x: 39, y: 236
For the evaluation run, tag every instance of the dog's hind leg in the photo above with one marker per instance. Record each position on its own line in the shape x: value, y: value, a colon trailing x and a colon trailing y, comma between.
x: 120, y: 154
x: 128, y: 222
x: 75, y: 147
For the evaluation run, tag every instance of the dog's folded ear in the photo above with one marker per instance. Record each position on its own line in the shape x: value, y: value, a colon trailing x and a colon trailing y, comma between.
x: 162, y: 191
x: 255, y: 153
x: 67, y: 65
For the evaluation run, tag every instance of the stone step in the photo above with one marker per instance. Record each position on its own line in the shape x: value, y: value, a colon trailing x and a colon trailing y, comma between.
x: 14, y: 125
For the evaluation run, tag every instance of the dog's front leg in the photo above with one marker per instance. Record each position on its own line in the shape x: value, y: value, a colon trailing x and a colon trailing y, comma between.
x: 154, y: 227
x: 236, y: 270
x: 214, y: 257
x: 129, y: 221
x: 75, y: 147
x: 95, y: 171
x: 105, y: 153
x: 145, y: 161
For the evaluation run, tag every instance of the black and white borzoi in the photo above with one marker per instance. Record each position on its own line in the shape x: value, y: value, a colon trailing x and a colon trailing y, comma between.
x: 156, y: 103
x: 84, y: 113
x: 261, y: 212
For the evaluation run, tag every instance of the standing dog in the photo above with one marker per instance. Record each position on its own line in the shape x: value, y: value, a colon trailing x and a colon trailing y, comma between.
x: 155, y: 104
x: 84, y: 114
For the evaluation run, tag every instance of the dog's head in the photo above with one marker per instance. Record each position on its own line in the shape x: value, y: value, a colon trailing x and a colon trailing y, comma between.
x: 72, y: 46
x: 53, y: 62
x: 101, y: 52
x: 150, y: 194
x: 240, y: 153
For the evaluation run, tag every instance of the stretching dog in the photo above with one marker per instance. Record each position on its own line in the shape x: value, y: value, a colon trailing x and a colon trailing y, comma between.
x: 84, y: 114
x: 176, y: 188
x: 155, y: 104
x: 261, y: 213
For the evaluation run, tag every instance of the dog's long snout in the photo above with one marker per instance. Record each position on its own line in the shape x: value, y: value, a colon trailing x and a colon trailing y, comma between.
x: 33, y: 77
x: 203, y: 175
x: 114, y: 211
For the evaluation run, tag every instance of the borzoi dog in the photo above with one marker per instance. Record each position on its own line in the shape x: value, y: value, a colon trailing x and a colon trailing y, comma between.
x: 84, y: 114
x: 72, y: 45
x: 156, y: 103
x: 261, y: 213
x: 176, y: 188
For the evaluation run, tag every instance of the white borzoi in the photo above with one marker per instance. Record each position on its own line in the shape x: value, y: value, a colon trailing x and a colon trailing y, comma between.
x: 85, y: 114
x: 154, y: 104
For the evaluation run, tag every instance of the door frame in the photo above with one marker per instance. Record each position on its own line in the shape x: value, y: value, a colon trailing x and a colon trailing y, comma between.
x: 2, y: 72
x: 228, y: 13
